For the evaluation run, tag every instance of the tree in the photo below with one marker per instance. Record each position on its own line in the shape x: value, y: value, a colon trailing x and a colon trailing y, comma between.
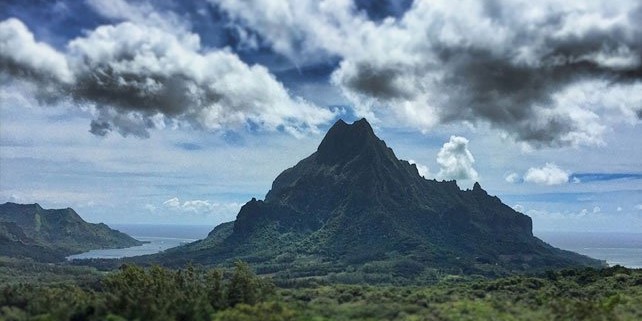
x: 216, y: 291
x: 243, y: 287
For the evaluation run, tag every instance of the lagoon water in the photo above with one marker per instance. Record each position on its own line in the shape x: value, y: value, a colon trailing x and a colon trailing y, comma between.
x: 158, y: 238
x: 616, y: 248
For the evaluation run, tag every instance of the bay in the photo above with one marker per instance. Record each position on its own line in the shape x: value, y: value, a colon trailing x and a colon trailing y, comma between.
x: 158, y: 238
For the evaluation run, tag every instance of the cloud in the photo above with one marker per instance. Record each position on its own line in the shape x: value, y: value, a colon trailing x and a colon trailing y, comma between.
x: 604, y: 177
x: 198, y: 206
x: 583, y: 212
x: 580, y: 219
x: 22, y: 56
x: 202, y: 207
x: 542, y: 214
x: 150, y: 207
x: 550, y: 174
x: 575, y: 178
x: 513, y: 178
x: 456, y: 161
x: 304, y: 31
x: 172, y: 203
x: 135, y: 77
x: 638, y: 207
x: 54, y: 198
x: 518, y: 208
x: 521, y: 67
x: 141, y: 13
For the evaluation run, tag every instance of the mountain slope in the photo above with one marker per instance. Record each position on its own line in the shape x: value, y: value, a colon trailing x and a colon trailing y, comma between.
x: 28, y: 230
x: 353, y: 204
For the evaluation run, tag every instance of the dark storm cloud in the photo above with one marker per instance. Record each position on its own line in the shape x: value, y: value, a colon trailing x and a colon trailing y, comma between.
x: 488, y: 87
x: 150, y: 94
x: 516, y: 66
x: 135, y: 76
x: 16, y: 69
x: 510, y: 80
x: 99, y: 128
x: 378, y: 82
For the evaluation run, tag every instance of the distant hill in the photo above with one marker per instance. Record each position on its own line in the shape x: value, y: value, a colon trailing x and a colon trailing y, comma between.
x: 353, y: 207
x: 28, y: 230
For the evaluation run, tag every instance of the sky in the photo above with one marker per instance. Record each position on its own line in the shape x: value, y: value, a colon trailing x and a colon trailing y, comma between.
x: 179, y: 112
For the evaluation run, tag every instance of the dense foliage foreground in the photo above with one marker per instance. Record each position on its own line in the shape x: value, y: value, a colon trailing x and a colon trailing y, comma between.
x: 135, y: 293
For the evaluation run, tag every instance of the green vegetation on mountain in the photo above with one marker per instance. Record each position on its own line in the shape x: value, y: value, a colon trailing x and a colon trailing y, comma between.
x: 353, y: 212
x: 29, y: 231
x: 194, y: 294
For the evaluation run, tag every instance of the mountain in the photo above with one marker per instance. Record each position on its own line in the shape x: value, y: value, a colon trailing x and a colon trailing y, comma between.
x: 28, y: 230
x: 354, y: 206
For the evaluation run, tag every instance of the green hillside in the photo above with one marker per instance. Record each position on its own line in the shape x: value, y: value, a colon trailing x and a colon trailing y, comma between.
x: 50, y: 235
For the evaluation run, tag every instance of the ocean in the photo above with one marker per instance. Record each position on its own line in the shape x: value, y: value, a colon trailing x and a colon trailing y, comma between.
x: 616, y: 248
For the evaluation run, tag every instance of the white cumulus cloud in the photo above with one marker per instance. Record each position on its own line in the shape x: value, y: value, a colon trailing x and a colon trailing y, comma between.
x: 456, y: 161
x: 172, y: 203
x: 21, y: 55
x: 550, y: 174
x: 139, y: 76
x: 204, y: 207
x: 512, y: 178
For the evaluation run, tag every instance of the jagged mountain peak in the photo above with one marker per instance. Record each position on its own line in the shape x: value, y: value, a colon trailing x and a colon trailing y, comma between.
x: 478, y: 189
x: 345, y: 141
x: 353, y: 201
x: 350, y: 165
x: 362, y: 125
